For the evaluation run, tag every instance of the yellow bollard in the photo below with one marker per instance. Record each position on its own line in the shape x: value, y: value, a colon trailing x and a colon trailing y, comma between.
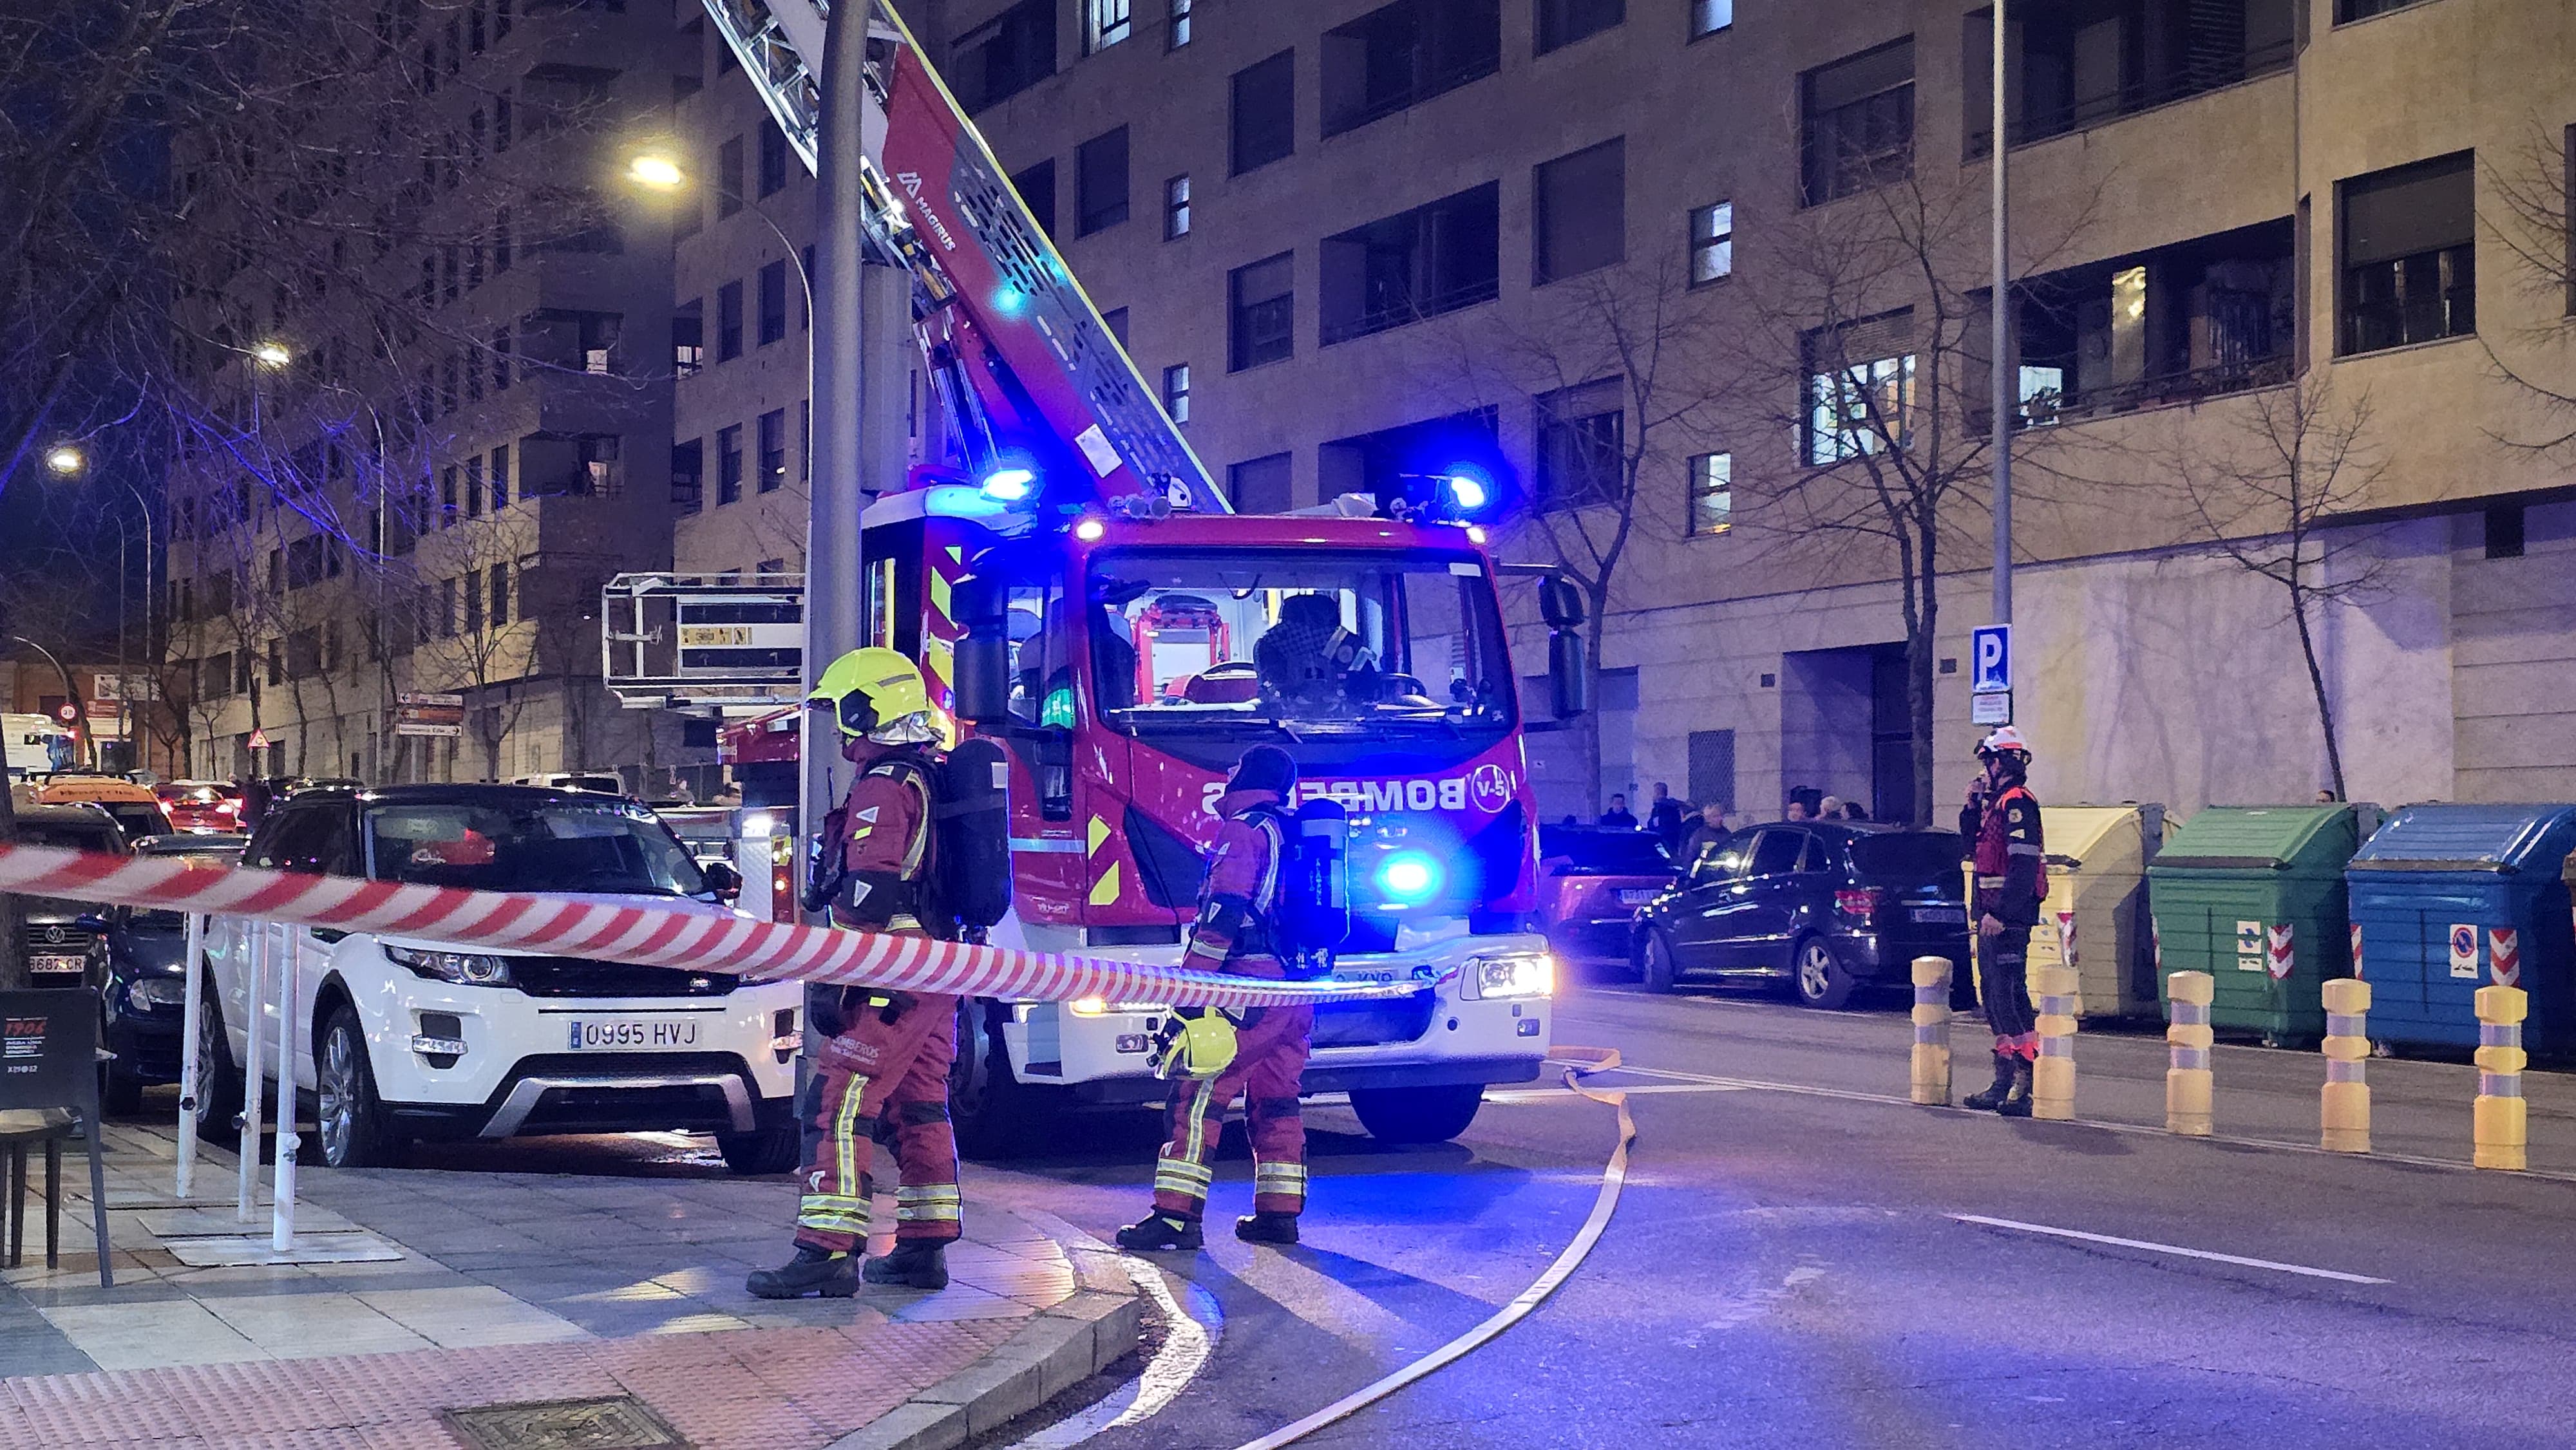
x: 2343, y: 1104
x: 1932, y: 1031
x: 2052, y: 1077
x: 2187, y: 1046
x: 2498, y: 1126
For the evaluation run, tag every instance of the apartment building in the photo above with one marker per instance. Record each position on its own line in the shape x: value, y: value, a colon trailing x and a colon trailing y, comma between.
x: 1349, y: 237
x: 417, y: 432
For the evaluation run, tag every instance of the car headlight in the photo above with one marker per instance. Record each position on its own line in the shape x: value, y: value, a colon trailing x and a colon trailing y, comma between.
x: 1102, y: 1007
x: 470, y: 968
x: 159, y: 992
x: 1512, y: 974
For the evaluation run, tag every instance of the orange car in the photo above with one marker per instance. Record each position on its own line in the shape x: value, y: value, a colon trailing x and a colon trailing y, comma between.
x: 137, y: 810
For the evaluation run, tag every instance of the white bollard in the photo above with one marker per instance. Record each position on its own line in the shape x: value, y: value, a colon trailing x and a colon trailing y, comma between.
x: 281, y: 1233
x: 191, y: 1042
x: 253, y: 942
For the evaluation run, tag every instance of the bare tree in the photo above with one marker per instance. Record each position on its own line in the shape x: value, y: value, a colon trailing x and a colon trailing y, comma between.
x: 2266, y: 496
x: 1862, y: 333
x: 2526, y: 195
x: 1615, y: 371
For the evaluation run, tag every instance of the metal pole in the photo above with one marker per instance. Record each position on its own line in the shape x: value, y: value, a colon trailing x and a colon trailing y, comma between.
x: 281, y: 1232
x: 191, y: 1042
x: 2005, y: 398
x: 254, y: 942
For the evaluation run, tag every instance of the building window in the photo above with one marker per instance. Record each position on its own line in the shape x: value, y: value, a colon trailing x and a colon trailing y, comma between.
x: 1563, y: 22
x: 1005, y: 56
x: 729, y: 464
x: 1180, y: 31
x: 804, y: 296
x: 729, y: 322
x: 2409, y: 254
x: 1712, y: 242
x: 500, y: 595
x: 2348, y: 11
x: 1105, y: 23
x: 1100, y: 182
x: 1710, y: 16
x: 805, y: 440
x: 1433, y: 259
x: 773, y: 301
x: 2083, y: 63
x: 500, y: 478
x: 1261, y: 308
x: 688, y: 339
x: 1115, y: 319
x: 474, y: 487
x: 729, y: 178
x: 2505, y: 530
x: 446, y: 498
x: 1578, y: 212
x: 773, y: 160
x: 1859, y: 387
x: 1710, y: 506
x: 472, y: 590
x: 1581, y: 432
x: 689, y: 475
x: 1176, y: 208
x: 773, y: 450
x: 1856, y: 122
x: 1264, y: 112
x: 1259, y: 485
x: 1403, y: 54
x: 1176, y: 392
x: 1036, y: 187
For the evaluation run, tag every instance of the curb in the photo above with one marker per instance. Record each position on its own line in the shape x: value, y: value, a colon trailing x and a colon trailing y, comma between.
x: 1053, y: 1352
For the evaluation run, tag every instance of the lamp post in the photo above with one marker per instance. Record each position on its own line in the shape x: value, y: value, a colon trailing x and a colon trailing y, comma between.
x: 70, y: 460
x: 2006, y: 398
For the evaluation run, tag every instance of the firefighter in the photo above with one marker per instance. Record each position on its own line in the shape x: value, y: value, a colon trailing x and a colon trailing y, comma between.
x: 2002, y: 820
x: 884, y: 1073
x: 1237, y: 932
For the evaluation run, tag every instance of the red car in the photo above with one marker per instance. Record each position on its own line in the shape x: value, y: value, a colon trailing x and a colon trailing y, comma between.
x: 202, y: 806
x: 1591, y: 883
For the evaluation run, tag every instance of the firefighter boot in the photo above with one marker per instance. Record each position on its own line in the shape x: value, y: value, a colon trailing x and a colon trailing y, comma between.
x: 1993, y: 1098
x: 812, y: 1271
x: 2016, y: 1103
x: 912, y: 1265
x: 1162, y: 1231
x: 1267, y: 1228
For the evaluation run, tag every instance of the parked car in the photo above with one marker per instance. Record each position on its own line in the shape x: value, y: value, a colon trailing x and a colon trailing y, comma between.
x: 137, y: 810
x: 146, y: 992
x: 407, y: 1036
x: 588, y: 782
x: 201, y: 805
x: 66, y: 939
x: 1827, y: 907
x: 1591, y: 883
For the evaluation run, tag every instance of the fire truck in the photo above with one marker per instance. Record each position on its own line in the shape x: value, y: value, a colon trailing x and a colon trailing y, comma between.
x: 1078, y: 589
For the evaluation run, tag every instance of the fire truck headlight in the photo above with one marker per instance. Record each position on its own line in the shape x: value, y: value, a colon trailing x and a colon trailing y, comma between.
x: 1408, y: 878
x: 1510, y: 975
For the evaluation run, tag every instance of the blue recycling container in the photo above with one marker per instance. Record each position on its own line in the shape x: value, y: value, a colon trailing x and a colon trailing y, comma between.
x: 2450, y: 898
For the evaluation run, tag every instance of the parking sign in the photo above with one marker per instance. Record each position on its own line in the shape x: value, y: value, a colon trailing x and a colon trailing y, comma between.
x: 1992, y: 651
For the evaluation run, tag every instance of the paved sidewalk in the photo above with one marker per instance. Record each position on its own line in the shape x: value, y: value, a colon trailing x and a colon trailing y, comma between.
x: 512, y: 1288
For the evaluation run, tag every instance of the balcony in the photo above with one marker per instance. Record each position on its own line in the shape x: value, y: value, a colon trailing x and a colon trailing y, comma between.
x: 1436, y: 258
x: 1401, y: 55
x: 2089, y: 62
x: 2178, y: 324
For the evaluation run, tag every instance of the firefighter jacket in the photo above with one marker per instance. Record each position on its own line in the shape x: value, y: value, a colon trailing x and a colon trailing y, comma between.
x: 1242, y: 886
x: 885, y: 846
x: 2009, y: 854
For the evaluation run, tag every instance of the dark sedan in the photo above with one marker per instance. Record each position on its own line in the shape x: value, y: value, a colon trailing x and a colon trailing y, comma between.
x: 1827, y: 907
x: 147, y: 978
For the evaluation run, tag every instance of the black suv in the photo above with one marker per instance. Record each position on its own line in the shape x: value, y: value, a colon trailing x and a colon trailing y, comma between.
x: 1828, y: 907
x: 147, y: 977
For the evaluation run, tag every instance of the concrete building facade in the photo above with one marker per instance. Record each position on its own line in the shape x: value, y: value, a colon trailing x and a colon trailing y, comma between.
x: 1337, y: 232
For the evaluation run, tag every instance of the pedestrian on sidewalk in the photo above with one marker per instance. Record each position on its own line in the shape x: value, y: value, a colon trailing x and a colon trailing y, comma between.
x: 2002, y: 819
x: 885, y: 1069
x: 1238, y: 932
x: 1667, y: 817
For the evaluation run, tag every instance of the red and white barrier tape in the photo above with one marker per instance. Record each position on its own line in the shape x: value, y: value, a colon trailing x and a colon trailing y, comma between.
x: 643, y: 935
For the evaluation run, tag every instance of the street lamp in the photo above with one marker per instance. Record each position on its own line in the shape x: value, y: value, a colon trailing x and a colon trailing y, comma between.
x: 656, y: 172
x: 660, y: 173
x: 271, y: 355
x: 66, y: 460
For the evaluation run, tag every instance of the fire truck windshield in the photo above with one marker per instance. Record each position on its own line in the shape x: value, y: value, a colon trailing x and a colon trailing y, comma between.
x: 1301, y: 641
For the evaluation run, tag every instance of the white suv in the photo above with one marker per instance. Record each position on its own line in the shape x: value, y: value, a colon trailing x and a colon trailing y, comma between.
x: 405, y: 1037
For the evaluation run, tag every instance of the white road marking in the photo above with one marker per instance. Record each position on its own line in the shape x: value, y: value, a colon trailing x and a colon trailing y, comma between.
x: 2175, y: 1249
x: 1188, y: 1339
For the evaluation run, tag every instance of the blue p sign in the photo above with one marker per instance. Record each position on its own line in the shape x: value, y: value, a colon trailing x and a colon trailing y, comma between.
x: 1993, y: 647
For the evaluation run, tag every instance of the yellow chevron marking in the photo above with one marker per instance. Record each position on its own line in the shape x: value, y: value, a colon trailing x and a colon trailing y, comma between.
x: 1105, y: 890
x: 1099, y: 833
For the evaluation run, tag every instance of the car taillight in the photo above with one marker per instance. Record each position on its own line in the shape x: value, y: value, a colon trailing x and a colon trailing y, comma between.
x: 1860, y: 905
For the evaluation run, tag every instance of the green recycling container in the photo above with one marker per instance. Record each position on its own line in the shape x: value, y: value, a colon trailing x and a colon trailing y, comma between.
x: 2254, y: 896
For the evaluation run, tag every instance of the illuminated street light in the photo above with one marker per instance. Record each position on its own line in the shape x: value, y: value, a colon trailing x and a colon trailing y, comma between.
x: 66, y: 459
x: 658, y: 172
x: 271, y: 355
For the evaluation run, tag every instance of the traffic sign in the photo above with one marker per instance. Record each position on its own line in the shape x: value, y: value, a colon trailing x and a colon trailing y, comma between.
x: 259, y: 740
x: 1993, y: 707
x: 1992, y: 656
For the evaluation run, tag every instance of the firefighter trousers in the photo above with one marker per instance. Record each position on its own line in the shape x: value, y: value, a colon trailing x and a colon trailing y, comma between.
x: 882, y: 1080
x: 1269, y: 1061
x: 2003, y: 978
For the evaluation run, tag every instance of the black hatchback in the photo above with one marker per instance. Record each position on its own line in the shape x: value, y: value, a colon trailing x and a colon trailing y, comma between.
x: 1827, y: 907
